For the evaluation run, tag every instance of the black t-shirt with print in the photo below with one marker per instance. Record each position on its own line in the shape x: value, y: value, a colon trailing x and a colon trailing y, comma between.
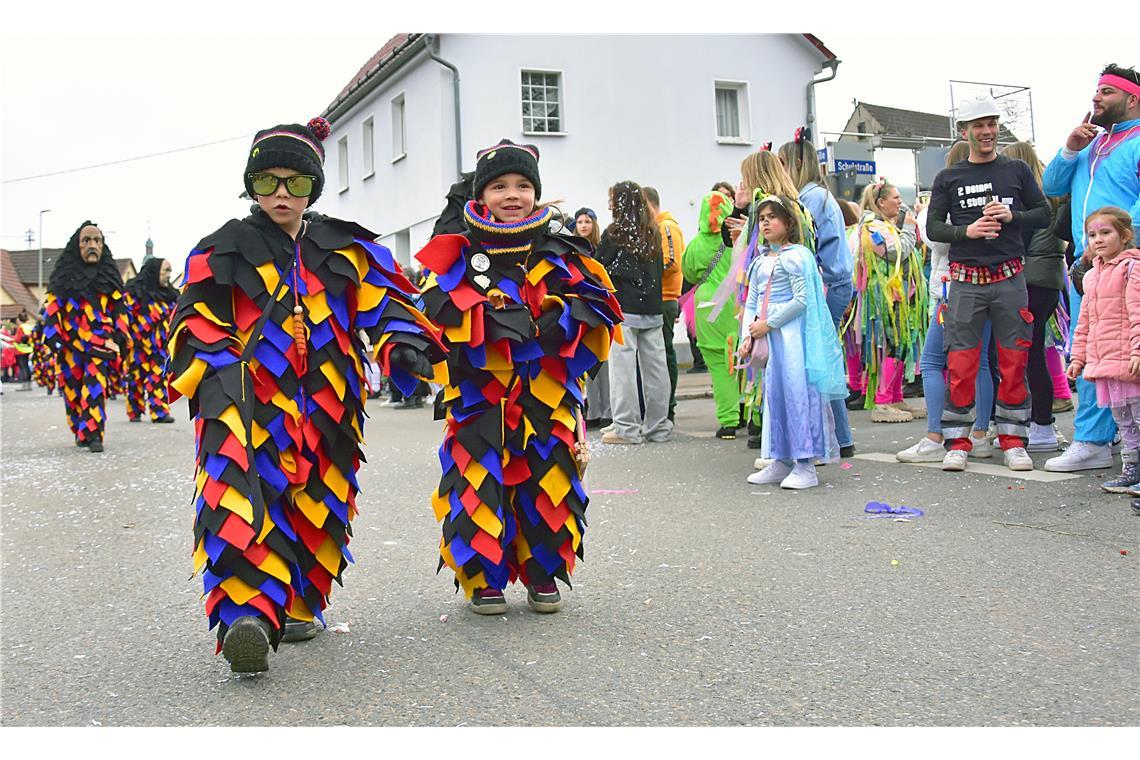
x: 962, y: 191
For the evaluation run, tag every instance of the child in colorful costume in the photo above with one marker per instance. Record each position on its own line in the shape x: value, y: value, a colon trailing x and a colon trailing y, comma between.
x: 265, y: 345
x: 84, y: 313
x: 149, y: 300
x: 525, y: 315
x: 45, y: 367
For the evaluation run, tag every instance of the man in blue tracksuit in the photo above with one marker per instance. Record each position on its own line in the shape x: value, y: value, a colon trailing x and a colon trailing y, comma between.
x: 1098, y: 168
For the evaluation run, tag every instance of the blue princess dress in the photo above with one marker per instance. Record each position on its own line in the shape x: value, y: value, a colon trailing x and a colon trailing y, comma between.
x: 805, y: 368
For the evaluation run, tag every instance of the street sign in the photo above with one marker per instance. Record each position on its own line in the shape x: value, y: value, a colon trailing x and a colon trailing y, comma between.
x: 822, y: 153
x: 860, y: 167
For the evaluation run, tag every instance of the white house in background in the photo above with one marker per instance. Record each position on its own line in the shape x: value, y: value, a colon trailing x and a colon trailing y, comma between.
x: 678, y: 112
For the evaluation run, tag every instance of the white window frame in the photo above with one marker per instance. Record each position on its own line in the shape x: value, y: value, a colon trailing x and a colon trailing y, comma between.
x: 743, y: 111
x: 399, y: 108
x: 368, y: 147
x: 342, y: 163
x: 561, y: 101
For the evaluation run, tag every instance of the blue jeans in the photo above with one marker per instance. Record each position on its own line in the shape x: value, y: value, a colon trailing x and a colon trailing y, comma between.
x: 933, y: 364
x: 838, y: 298
x: 1091, y: 423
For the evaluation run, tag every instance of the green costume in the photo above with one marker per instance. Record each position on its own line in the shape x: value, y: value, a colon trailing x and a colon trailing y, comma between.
x: 716, y: 339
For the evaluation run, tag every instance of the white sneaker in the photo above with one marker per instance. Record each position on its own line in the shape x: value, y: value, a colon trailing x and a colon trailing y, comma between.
x: 773, y: 473
x: 608, y: 428
x: 983, y: 448
x: 1042, y: 438
x: 954, y: 461
x: 925, y: 450
x: 1017, y: 459
x: 761, y: 463
x: 803, y: 476
x: 1082, y: 455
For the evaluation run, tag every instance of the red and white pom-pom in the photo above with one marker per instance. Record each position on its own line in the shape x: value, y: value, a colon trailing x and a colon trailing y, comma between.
x: 801, y: 133
x: 320, y: 127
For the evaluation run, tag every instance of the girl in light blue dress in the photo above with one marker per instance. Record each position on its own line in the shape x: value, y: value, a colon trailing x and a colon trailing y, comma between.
x: 805, y: 368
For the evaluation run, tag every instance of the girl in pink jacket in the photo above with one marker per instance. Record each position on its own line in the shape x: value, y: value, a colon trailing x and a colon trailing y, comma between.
x: 1106, y: 344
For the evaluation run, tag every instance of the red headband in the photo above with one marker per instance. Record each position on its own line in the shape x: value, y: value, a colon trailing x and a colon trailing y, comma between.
x: 1120, y: 83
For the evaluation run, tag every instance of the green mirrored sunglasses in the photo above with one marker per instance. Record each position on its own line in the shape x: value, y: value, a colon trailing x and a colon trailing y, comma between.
x: 299, y: 185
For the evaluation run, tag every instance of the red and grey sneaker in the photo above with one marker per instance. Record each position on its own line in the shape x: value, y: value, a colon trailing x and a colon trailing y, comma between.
x: 488, y: 601
x: 544, y: 597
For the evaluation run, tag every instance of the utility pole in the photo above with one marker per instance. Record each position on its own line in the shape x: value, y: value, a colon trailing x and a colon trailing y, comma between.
x: 40, y: 278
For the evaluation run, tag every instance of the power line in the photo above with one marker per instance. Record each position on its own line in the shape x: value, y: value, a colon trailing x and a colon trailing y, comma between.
x: 123, y: 160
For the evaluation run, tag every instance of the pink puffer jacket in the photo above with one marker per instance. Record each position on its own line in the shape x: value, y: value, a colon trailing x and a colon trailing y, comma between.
x: 1108, y: 331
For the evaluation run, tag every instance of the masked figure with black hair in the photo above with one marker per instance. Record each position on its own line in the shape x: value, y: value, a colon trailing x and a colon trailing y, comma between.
x: 268, y: 346
x: 149, y: 299
x: 84, y: 313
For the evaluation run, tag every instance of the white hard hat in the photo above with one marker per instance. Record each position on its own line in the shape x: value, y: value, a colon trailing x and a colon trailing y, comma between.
x: 977, y: 108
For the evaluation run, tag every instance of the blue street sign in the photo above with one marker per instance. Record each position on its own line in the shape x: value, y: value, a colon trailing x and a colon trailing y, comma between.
x: 860, y: 167
x: 822, y: 153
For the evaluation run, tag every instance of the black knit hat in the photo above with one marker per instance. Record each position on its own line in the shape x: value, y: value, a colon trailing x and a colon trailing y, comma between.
x: 506, y: 158
x: 290, y: 146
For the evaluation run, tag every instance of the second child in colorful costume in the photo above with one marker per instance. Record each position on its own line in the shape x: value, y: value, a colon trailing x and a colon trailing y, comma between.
x: 265, y: 346
x: 525, y: 315
x: 149, y: 300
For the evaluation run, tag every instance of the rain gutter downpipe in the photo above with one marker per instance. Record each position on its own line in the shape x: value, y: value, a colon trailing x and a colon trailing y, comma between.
x: 832, y: 64
x: 432, y: 44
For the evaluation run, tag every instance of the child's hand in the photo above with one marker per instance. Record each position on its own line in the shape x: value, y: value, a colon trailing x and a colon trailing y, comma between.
x: 1134, y: 366
x: 745, y: 347
x: 735, y: 224
x: 758, y: 329
x: 1075, y: 369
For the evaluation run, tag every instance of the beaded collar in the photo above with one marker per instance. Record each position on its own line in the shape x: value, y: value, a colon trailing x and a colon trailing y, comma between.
x: 497, y: 237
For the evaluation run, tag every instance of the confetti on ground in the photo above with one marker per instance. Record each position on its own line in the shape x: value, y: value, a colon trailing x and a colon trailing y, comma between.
x: 845, y: 466
x: 340, y: 628
x: 443, y: 618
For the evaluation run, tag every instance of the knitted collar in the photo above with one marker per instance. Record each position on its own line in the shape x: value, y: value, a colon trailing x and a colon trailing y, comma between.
x: 497, y: 237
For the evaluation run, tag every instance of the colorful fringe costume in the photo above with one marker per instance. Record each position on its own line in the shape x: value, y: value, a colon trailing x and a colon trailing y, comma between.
x: 83, y: 311
x: 525, y: 315
x: 278, y: 422
x: 45, y: 366
x: 887, y: 326
x: 150, y: 307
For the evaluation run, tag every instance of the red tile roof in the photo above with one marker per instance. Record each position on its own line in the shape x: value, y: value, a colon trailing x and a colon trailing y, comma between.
x: 12, y: 285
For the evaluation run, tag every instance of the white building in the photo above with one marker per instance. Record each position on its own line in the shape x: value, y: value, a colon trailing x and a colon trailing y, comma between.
x: 678, y: 112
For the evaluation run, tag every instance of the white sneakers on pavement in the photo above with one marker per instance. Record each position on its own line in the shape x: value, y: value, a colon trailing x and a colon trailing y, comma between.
x: 1017, y: 459
x: 802, y: 476
x: 925, y: 450
x: 1044, y: 438
x: 983, y: 448
x: 1082, y: 455
x: 954, y: 460
x: 773, y: 473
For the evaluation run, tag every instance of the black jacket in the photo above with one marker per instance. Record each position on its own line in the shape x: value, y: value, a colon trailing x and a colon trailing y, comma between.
x: 637, y: 280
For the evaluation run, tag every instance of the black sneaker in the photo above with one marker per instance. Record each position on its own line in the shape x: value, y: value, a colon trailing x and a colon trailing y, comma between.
x: 167, y: 418
x: 695, y: 370
x: 846, y: 452
x: 544, y: 597
x: 246, y: 645
x: 300, y: 630
x: 755, y: 435
x: 96, y: 445
x: 726, y: 434
x: 81, y: 442
x: 134, y: 419
x: 488, y: 601
x: 855, y: 402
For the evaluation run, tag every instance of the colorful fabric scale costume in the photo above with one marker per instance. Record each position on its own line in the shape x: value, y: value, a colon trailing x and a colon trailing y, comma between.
x: 150, y: 306
x: 84, y: 314
x: 887, y: 325
x: 525, y: 316
x: 45, y: 367
x: 278, y: 429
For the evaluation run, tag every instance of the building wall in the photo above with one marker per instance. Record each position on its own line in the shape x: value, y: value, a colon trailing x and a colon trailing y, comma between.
x: 639, y: 107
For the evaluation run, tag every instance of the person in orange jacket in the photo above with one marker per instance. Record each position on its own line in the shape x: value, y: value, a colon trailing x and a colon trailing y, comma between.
x: 672, y: 246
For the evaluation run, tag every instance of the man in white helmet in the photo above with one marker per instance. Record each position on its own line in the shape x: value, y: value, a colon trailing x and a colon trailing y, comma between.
x: 988, y: 198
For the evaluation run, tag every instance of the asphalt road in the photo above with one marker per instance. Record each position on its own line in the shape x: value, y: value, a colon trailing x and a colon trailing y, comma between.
x: 703, y: 600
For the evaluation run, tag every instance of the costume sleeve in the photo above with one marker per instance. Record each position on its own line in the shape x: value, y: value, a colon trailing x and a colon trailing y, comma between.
x: 1058, y: 177
x: 695, y: 261
x: 1132, y: 301
x: 780, y: 314
x: 752, y: 302
x: 386, y: 312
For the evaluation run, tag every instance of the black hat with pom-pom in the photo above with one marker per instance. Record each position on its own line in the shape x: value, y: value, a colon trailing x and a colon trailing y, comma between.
x: 290, y: 146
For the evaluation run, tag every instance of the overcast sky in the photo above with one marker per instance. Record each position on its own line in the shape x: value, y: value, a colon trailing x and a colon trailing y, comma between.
x: 70, y: 100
